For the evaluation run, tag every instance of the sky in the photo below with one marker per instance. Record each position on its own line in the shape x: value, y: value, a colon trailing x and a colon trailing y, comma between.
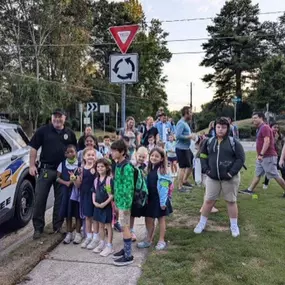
x: 184, y: 68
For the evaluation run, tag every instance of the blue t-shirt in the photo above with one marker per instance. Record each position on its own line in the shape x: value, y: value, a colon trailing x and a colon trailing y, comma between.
x: 183, y: 132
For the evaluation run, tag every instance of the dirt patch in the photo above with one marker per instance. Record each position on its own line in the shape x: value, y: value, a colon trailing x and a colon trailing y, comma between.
x: 182, y: 221
x: 250, y: 229
x: 199, y: 266
x: 256, y: 263
x: 23, y: 259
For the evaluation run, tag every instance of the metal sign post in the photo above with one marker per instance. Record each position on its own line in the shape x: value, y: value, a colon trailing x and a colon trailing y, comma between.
x: 235, y: 101
x: 117, y: 110
x: 123, y: 106
x: 103, y: 110
x: 124, y: 68
x: 81, y: 117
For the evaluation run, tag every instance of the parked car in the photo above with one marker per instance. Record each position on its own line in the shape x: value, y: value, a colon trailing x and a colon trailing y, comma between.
x: 17, y: 186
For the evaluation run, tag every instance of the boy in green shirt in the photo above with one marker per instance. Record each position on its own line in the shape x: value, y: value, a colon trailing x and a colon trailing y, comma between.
x: 123, y: 194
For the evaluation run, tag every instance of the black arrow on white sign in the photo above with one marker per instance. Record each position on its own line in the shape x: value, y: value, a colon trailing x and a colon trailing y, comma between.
x: 92, y: 107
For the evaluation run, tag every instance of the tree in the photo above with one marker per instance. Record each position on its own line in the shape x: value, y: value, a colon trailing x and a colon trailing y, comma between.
x: 234, y: 49
x: 149, y: 93
x: 270, y: 87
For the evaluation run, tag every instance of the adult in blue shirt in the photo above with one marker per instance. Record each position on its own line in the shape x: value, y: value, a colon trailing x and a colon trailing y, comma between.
x: 183, y: 152
x: 164, y: 128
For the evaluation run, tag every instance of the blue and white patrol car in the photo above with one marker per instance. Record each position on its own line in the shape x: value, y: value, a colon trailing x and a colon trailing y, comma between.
x: 17, y: 195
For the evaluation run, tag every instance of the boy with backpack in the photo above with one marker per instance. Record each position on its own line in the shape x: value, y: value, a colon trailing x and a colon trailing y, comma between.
x: 127, y: 192
x: 222, y: 157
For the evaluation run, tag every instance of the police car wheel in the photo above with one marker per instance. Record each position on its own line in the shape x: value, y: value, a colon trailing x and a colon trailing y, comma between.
x: 24, y: 206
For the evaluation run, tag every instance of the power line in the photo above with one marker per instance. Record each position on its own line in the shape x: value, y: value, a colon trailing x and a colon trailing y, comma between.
x: 77, y: 87
x: 211, y: 18
x: 145, y: 42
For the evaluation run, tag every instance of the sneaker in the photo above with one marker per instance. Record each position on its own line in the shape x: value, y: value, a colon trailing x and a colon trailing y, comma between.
x: 107, y: 251
x: 86, y: 242
x: 68, y: 238
x: 187, y: 185
x: 235, y: 231
x: 123, y: 261
x: 37, y: 235
x: 134, y: 238
x: 99, y: 247
x: 265, y: 187
x: 77, y: 238
x: 160, y: 245
x: 93, y: 244
x: 119, y: 254
x: 117, y: 227
x: 199, y: 228
x: 144, y: 244
x: 183, y: 190
x: 246, y: 191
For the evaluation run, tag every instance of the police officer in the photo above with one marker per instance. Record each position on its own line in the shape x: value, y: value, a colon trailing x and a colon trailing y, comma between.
x: 53, y: 139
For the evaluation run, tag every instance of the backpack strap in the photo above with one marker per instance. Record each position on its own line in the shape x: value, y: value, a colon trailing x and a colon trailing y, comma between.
x: 108, y: 181
x: 96, y: 182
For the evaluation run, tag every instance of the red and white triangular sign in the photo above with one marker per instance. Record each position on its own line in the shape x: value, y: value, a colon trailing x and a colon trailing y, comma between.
x: 124, y: 35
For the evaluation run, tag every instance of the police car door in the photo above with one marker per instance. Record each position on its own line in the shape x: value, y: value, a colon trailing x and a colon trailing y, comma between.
x: 5, y: 175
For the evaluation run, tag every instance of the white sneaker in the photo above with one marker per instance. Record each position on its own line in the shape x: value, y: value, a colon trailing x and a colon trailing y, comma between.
x: 265, y: 187
x: 199, y: 228
x: 235, y: 231
x: 93, y: 244
x: 86, y: 242
x: 68, y: 238
x: 99, y: 247
x: 77, y: 238
x: 107, y: 251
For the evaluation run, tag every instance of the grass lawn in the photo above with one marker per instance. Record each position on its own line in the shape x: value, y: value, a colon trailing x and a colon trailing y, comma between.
x: 215, y: 257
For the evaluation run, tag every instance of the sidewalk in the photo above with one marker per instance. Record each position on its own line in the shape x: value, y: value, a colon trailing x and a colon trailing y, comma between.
x: 69, y: 264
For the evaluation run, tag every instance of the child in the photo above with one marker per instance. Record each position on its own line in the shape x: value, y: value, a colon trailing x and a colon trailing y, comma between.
x: 159, y: 204
x: 151, y: 143
x: 90, y: 143
x: 124, y: 192
x: 141, y: 163
x: 69, y: 209
x: 102, y: 197
x: 171, y: 154
x: 85, y: 182
x: 106, y: 147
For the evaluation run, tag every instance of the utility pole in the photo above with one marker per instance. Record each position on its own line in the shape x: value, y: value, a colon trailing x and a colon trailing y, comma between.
x: 191, y: 93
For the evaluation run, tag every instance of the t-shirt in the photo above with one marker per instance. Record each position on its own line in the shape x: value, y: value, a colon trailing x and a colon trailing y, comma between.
x: 69, y: 166
x: 132, y: 135
x: 262, y: 132
x: 170, y: 149
x: 146, y: 133
x: 183, y: 132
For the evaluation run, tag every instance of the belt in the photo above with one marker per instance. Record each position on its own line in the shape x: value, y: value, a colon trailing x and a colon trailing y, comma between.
x: 48, y: 166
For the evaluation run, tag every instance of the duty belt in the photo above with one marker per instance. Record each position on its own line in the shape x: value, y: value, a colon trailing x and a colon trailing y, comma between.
x: 48, y: 166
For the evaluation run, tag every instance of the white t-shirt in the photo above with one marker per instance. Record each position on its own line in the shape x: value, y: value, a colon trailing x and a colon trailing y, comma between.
x: 69, y: 166
x: 164, y: 133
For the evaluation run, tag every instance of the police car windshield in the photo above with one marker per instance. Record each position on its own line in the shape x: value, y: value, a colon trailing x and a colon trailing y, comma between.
x: 14, y: 134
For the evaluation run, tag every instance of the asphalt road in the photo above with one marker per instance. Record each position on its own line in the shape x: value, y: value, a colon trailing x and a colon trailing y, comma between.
x: 4, y: 228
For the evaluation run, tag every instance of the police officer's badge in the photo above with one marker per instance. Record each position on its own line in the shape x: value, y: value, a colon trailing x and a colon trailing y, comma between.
x: 65, y: 136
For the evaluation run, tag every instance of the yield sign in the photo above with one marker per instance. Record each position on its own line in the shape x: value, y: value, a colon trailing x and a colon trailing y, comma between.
x: 124, y: 35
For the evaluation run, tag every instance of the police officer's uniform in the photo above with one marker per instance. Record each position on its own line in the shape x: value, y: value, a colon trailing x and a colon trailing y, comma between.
x: 53, y: 145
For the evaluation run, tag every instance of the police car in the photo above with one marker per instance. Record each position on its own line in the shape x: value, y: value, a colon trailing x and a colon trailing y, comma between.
x: 17, y: 195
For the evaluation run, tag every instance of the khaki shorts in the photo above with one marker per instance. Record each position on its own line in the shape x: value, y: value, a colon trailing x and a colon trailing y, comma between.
x: 268, y: 167
x: 124, y: 218
x: 229, y: 188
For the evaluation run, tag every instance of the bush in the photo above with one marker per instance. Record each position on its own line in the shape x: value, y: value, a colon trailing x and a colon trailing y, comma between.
x: 75, y: 124
x: 110, y: 129
x: 246, y: 132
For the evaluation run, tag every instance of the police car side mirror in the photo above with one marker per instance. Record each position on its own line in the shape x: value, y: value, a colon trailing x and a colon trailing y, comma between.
x: 14, y: 157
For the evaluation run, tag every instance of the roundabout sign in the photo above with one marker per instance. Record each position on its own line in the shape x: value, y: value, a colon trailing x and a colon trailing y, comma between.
x: 124, y: 68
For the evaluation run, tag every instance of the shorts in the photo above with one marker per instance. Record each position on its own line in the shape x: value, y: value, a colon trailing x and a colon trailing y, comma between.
x: 172, y: 159
x: 125, y: 218
x: 184, y: 157
x: 268, y: 167
x: 229, y: 188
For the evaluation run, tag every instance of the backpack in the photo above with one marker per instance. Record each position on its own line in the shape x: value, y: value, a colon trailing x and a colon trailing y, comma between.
x: 140, y: 191
x: 108, y: 184
x: 232, y: 143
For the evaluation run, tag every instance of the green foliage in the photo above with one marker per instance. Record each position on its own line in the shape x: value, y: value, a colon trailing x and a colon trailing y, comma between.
x: 234, y: 50
x: 270, y: 87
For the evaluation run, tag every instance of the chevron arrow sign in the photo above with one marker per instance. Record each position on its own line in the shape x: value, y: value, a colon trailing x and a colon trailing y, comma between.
x: 92, y: 107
